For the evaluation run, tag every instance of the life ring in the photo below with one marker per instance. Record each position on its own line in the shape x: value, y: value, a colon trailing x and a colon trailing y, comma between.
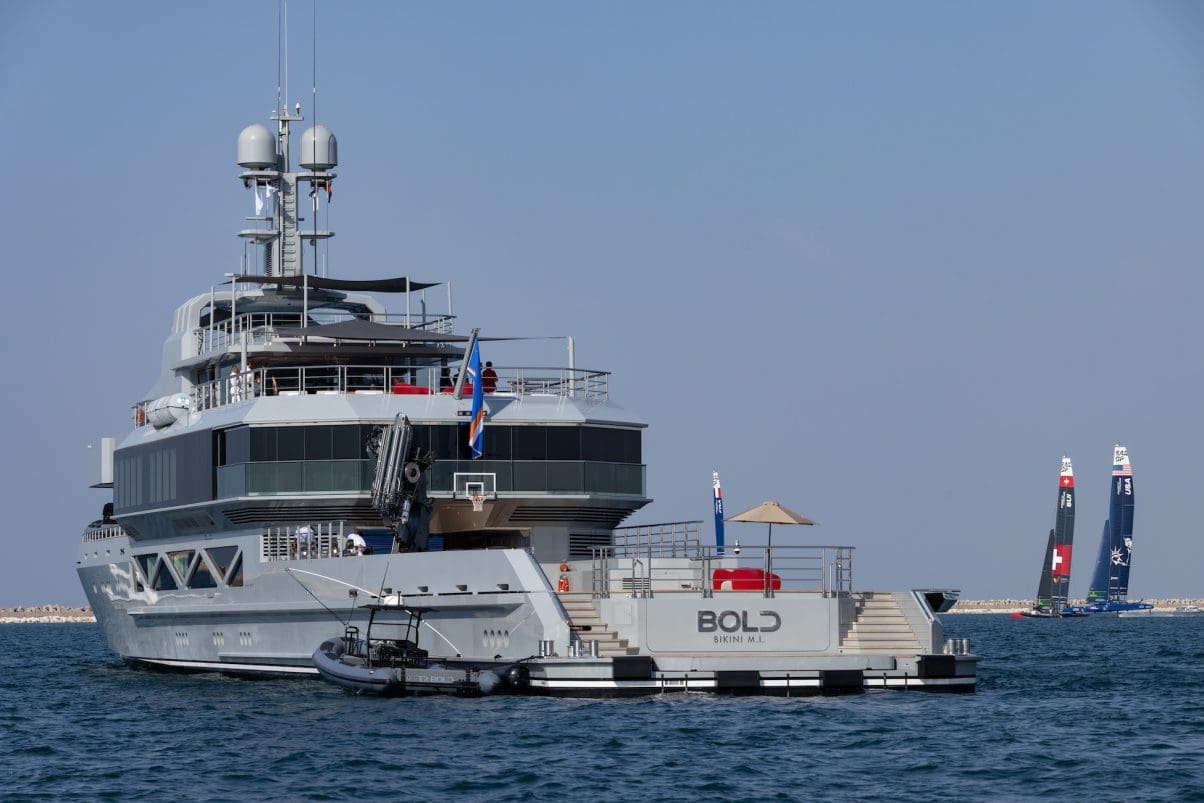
x: 139, y: 415
x: 563, y: 585
x: 564, y: 567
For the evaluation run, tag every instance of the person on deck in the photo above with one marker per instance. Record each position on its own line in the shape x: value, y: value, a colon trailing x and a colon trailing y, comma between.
x: 234, y: 385
x: 355, y: 544
x: 488, y: 378
x: 305, y: 541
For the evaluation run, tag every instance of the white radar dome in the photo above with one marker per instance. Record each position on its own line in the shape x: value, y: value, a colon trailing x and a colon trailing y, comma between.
x: 256, y: 148
x: 319, y: 149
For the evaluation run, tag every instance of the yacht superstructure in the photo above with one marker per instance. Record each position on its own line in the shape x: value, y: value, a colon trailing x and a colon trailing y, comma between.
x: 296, y: 417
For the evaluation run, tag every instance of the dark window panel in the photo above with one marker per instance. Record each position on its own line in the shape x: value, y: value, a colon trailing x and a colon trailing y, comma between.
x: 202, y: 577
x: 497, y: 442
x: 346, y: 443
x: 263, y: 444
x: 221, y: 557
x: 564, y: 443
x: 319, y: 442
x: 236, y: 572
x: 530, y: 443
x: 290, y: 443
x: 238, y: 446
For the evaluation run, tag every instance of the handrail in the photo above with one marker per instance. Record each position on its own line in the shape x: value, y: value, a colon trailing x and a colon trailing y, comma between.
x: 103, y: 532
x: 406, y: 379
x: 824, y: 569
x: 259, y: 328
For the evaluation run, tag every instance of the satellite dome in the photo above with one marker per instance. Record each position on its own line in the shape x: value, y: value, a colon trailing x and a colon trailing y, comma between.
x: 319, y: 149
x: 256, y: 148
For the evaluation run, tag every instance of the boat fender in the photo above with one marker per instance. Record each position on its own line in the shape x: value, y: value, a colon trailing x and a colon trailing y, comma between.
x: 563, y: 585
x: 489, y: 681
x: 516, y: 675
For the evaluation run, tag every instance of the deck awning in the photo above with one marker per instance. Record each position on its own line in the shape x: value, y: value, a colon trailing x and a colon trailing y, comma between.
x: 401, y: 284
x: 359, y: 329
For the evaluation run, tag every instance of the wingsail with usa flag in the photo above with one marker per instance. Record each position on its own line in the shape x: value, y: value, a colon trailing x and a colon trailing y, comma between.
x: 1053, y: 590
x: 1109, y: 592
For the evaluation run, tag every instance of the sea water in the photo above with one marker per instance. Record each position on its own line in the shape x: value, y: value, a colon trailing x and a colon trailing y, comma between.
x: 1078, y: 709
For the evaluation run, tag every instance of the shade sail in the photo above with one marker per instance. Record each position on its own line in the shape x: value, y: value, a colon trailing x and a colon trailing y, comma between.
x: 399, y: 284
x: 359, y: 329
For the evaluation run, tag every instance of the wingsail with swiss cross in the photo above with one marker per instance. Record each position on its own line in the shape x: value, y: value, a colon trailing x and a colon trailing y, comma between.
x: 1053, y: 590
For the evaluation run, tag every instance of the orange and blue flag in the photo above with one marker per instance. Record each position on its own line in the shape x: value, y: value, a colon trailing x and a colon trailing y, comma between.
x: 476, y: 424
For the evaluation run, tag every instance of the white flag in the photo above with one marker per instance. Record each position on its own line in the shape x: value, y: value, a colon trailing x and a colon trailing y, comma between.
x: 258, y: 201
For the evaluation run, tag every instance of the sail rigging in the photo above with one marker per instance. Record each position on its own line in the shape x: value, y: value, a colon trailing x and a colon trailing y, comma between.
x: 1053, y: 590
x: 1110, y: 582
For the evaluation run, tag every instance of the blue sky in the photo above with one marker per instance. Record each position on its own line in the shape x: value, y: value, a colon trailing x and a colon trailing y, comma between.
x: 884, y: 262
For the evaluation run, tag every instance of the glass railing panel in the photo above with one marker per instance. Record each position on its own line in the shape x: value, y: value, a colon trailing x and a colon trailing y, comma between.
x: 231, y: 481
x: 566, y: 476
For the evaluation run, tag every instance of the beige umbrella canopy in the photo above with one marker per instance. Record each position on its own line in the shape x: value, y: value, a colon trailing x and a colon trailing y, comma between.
x: 771, y: 513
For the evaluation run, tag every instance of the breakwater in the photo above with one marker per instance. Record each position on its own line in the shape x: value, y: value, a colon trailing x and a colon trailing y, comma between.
x: 1014, y: 605
x: 45, y: 614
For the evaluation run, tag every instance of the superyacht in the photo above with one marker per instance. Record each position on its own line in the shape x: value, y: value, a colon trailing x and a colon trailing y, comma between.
x: 307, y: 453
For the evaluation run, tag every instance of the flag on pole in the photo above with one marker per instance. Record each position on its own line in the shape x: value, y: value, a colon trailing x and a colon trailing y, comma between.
x: 476, y: 425
x: 718, y: 490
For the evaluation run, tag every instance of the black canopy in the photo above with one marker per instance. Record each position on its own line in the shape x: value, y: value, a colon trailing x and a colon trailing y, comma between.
x: 359, y: 329
x: 399, y: 285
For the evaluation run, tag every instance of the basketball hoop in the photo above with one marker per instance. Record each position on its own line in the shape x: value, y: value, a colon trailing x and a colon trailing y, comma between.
x: 478, y: 501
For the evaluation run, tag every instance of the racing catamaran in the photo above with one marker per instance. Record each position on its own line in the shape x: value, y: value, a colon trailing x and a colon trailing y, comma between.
x: 1054, y: 587
x: 1110, y: 584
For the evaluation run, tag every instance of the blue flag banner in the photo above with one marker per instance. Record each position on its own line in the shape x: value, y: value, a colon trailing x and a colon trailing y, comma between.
x: 718, y: 491
x: 476, y: 426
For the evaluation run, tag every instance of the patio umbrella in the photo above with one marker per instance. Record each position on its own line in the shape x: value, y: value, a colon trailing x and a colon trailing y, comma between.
x: 771, y: 513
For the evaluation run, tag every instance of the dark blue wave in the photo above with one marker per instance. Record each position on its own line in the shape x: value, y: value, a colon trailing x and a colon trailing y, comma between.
x: 1078, y: 709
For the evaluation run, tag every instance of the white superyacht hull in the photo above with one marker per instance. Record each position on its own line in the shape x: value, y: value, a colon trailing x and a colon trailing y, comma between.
x: 493, y: 604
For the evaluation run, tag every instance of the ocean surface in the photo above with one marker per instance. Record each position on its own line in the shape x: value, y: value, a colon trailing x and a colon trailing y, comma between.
x: 1080, y: 710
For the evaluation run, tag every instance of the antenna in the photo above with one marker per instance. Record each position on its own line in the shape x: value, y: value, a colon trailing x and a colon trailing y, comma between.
x: 279, y: 52
x: 284, y: 108
x: 314, y: 98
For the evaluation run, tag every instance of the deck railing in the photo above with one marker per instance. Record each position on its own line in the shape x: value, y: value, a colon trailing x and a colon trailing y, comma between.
x: 261, y: 328
x: 647, y: 558
x: 592, y: 386
x: 103, y: 532
x: 322, y: 540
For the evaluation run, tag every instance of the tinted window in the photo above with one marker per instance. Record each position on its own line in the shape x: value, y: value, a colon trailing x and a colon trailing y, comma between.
x: 290, y: 443
x: 163, y: 580
x: 236, y: 572
x: 346, y: 443
x: 564, y: 443
x: 221, y: 557
x: 611, y: 445
x: 202, y: 577
x: 263, y: 444
x: 238, y: 446
x: 530, y: 443
x: 497, y: 442
x: 319, y: 443
x: 443, y: 441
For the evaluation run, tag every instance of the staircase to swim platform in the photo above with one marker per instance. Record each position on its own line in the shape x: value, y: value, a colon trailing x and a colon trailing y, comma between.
x: 879, y: 627
x: 587, y: 624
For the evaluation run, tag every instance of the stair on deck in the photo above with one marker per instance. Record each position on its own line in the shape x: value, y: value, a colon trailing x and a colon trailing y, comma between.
x: 587, y: 624
x: 879, y: 627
